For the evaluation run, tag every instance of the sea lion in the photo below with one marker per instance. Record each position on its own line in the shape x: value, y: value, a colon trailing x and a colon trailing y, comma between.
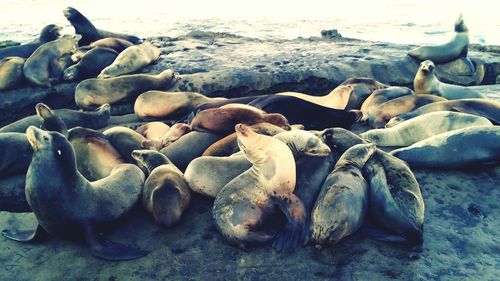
x: 422, y: 127
x: 426, y: 82
x: 89, y: 32
x: 38, y: 67
x: 207, y: 175
x: 395, y: 200
x: 229, y: 144
x: 244, y: 207
x: 48, y: 33
x: 396, y: 106
x: 311, y: 115
x: 455, y: 48
x: 72, y: 118
x: 95, y: 155
x: 174, y: 133
x: 77, y: 54
x: 161, y: 104
x: 66, y: 205
x: 116, y: 44
x: 481, y: 107
x: 90, y: 64
x: 457, y: 149
x: 124, y: 140
x: 94, y: 92
x: 378, y: 97
x: 131, y: 60
x: 153, y: 130
x: 336, y: 99
x: 362, y: 88
x: 11, y: 73
x: 166, y: 193
x: 12, y: 197
x: 224, y: 118
x: 342, y: 203
x: 189, y: 147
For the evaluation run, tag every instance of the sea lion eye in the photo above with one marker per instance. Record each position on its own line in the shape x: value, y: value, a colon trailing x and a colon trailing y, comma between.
x: 45, y: 138
x: 59, y: 152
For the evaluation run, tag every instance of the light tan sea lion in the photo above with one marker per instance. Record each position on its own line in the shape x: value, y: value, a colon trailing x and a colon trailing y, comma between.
x: 396, y: 106
x: 116, y: 44
x: 38, y: 68
x: 91, y: 93
x: 174, y: 133
x: 426, y: 82
x: 242, y: 208
x: 342, y: 203
x: 363, y: 87
x: 166, y: 194
x: 455, y: 48
x: 336, y: 99
x: 153, y: 130
x: 422, y: 127
x: 131, y: 60
x: 169, y: 104
x: 378, y: 97
x: 11, y: 73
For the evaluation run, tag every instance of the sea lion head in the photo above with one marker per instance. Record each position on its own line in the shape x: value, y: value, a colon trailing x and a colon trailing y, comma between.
x: 50, y: 121
x: 71, y: 13
x: 278, y: 120
x: 426, y: 67
x: 304, y: 143
x: 394, y: 121
x: 49, y: 33
x: 460, y: 24
x: 70, y: 73
x: 41, y: 141
x: 250, y: 143
x: 340, y: 139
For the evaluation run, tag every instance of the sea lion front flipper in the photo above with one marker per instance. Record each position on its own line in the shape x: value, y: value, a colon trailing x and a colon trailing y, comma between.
x: 108, y: 250
x: 36, y: 235
x: 295, y: 230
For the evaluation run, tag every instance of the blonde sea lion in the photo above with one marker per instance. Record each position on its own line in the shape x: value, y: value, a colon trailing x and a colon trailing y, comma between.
x: 362, y: 88
x: 342, y: 203
x: 94, y: 92
x: 11, y: 73
x: 153, y: 130
x: 422, y: 127
x: 396, y: 106
x: 457, y: 149
x: 169, y: 104
x: 116, y: 44
x: 66, y: 205
x: 166, y: 194
x: 38, y: 67
x: 378, y: 97
x: 455, y: 48
x: 336, y: 99
x: 243, y: 206
x: 174, y: 133
x: 131, y: 60
x: 426, y: 82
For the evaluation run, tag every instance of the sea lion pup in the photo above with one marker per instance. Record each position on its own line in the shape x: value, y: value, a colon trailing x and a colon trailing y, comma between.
x: 207, y: 175
x: 38, y: 67
x: 229, y: 144
x: 95, y: 155
x: 72, y: 118
x: 89, y: 32
x: 342, y: 203
x: 67, y: 205
x: 48, y: 33
x: 116, y: 44
x: 11, y: 73
x: 131, y: 60
x: 94, y: 92
x: 455, y: 48
x: 90, y: 64
x: 124, y: 140
x: 458, y: 149
x: 481, y: 107
x: 161, y: 104
x: 245, y: 206
x: 166, y: 194
x: 362, y: 88
x: 174, y: 133
x: 422, y: 127
x: 426, y: 82
x: 391, y: 108
x: 378, y: 97
x: 153, y: 130
x: 189, y: 147
x: 311, y: 115
x: 336, y: 99
x: 224, y: 118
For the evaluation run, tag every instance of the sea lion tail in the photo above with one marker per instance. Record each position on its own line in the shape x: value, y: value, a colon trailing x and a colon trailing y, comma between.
x: 296, y: 229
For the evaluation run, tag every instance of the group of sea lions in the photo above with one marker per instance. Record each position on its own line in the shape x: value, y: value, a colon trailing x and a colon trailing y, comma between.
x: 283, y: 169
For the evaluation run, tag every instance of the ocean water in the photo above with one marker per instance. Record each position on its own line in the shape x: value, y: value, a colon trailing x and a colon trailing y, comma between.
x: 396, y: 21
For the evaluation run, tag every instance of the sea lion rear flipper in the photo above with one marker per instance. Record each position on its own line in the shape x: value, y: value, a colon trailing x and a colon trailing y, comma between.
x: 36, y: 235
x: 295, y: 230
x: 108, y: 250
x: 380, y: 234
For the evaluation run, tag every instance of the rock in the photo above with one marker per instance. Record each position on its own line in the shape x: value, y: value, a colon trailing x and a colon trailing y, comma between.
x: 462, y: 71
x: 332, y: 33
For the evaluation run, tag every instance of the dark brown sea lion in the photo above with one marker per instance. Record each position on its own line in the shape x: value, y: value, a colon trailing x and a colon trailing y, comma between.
x: 90, y: 64
x: 48, y: 33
